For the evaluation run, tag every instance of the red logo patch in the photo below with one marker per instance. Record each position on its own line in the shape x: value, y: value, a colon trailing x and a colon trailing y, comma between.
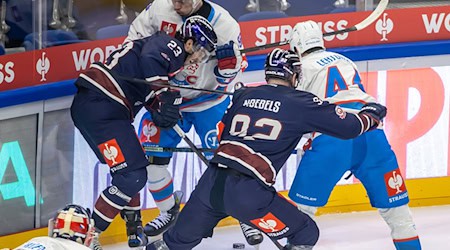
x: 149, y: 132
x: 169, y: 28
x: 111, y: 152
x: 394, y: 182
x: 269, y: 223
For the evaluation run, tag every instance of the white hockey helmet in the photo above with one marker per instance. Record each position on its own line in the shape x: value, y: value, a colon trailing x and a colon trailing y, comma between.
x: 305, y: 36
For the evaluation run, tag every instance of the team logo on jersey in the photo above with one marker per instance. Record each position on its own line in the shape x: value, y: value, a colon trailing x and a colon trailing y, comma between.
x: 169, y: 28
x: 384, y: 26
x: 271, y: 225
x: 43, y: 66
x: 340, y: 112
x: 165, y: 56
x: 211, y: 139
x: 111, y: 152
x: 149, y: 132
x: 394, y: 182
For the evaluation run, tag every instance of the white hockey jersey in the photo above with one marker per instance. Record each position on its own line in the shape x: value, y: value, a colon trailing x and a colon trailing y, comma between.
x: 160, y: 15
x: 50, y: 243
x: 335, y: 78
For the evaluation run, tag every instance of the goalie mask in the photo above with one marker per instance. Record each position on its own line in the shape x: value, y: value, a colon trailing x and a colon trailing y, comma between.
x: 305, y: 36
x: 74, y: 223
x: 202, y: 33
x: 284, y: 65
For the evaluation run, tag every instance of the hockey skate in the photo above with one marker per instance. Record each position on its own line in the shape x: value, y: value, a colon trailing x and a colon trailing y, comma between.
x: 252, y: 235
x: 165, y: 220
x: 135, y: 232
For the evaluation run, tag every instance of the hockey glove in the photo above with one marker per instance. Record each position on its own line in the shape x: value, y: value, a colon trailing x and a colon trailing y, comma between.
x: 166, y: 112
x: 229, y: 60
x: 376, y: 112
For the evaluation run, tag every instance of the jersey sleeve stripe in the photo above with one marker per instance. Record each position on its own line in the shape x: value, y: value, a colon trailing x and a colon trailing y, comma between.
x: 240, y: 153
x: 104, y: 90
x: 113, y: 81
x: 365, y: 122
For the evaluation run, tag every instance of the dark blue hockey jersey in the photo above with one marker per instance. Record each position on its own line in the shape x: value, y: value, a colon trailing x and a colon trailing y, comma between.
x: 154, y: 58
x: 265, y: 123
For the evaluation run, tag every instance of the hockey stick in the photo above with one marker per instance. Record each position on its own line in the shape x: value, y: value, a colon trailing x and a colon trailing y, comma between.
x: 183, y: 136
x: 361, y: 25
x: 161, y: 84
x: 181, y: 133
x: 173, y: 150
x: 366, y: 22
x: 183, y: 149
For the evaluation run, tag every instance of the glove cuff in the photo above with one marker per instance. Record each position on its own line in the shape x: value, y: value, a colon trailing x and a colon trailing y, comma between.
x: 226, y: 74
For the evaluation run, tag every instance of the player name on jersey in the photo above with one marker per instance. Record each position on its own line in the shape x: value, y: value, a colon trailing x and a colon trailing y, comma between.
x: 268, y: 105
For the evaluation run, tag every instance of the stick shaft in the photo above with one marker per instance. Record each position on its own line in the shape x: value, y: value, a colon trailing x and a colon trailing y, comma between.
x: 160, y: 84
x: 181, y: 149
x: 183, y: 136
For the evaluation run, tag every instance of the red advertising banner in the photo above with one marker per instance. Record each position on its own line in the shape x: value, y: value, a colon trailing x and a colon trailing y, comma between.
x: 397, y: 25
x: 393, y: 26
x: 52, y: 64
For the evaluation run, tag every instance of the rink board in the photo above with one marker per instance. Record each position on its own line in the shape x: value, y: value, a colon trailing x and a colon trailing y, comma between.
x: 345, y: 198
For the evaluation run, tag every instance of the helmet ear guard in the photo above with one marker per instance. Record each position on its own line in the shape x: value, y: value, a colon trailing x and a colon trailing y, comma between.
x: 305, y: 36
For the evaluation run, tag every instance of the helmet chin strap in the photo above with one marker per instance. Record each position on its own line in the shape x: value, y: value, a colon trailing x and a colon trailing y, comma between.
x: 294, y: 84
x: 195, y: 6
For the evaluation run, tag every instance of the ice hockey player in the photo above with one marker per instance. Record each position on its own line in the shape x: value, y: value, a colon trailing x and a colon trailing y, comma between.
x: 71, y: 229
x: 106, y: 103
x: 258, y: 133
x: 200, y: 110
x: 369, y: 157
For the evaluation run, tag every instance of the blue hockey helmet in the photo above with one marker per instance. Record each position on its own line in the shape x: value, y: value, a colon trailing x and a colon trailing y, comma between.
x: 74, y: 223
x: 283, y: 64
x: 201, y: 31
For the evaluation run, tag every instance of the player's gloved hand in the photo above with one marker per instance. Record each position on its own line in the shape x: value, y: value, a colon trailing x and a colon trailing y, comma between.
x: 229, y: 60
x: 375, y: 111
x: 166, y: 112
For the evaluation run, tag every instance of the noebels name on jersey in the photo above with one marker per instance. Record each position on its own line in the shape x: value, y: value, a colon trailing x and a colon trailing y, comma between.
x: 268, y: 105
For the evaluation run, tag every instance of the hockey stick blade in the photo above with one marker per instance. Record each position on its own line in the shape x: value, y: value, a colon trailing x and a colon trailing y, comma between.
x: 364, y: 23
x: 381, y: 7
x: 161, y: 84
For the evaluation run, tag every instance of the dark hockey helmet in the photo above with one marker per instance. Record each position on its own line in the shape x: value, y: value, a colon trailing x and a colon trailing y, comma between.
x: 283, y: 64
x: 201, y: 31
x: 74, y: 223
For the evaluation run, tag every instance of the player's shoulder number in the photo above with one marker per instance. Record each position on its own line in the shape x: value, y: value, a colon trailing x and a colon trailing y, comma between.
x: 175, y: 48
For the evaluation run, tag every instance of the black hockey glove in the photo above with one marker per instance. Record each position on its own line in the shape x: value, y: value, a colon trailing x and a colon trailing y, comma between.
x: 375, y: 111
x: 166, y: 112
